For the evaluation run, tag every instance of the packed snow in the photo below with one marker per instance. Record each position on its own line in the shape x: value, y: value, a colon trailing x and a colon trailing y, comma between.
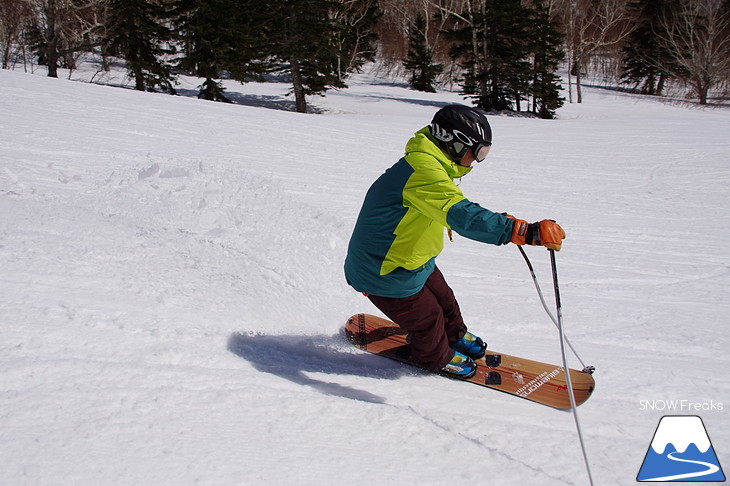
x: 172, y: 296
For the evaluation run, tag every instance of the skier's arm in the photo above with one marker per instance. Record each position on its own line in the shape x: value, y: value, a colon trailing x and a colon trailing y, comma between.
x: 472, y: 221
x: 435, y: 195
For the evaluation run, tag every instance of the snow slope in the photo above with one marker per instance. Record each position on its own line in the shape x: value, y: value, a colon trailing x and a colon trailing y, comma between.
x: 171, y: 293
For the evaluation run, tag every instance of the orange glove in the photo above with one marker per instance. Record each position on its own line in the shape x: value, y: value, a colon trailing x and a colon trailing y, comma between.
x: 547, y: 233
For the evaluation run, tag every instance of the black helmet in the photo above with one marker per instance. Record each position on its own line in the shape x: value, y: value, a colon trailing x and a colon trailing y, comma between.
x: 457, y: 128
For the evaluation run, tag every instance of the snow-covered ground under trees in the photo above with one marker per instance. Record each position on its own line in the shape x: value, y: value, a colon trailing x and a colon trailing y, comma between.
x: 172, y: 297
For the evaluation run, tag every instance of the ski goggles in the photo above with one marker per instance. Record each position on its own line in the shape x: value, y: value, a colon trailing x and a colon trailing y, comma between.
x: 481, y: 150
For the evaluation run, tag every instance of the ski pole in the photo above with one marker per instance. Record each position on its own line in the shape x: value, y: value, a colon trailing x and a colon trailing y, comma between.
x: 568, y: 380
x: 586, y: 369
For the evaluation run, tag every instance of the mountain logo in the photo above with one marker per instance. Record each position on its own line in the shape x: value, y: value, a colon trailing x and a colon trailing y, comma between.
x: 681, y: 451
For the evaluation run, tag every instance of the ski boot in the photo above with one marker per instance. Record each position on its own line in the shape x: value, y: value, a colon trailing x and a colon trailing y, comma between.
x: 460, y: 366
x: 470, y: 345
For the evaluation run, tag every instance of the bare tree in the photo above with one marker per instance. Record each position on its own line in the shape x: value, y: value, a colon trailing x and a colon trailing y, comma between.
x: 399, y: 17
x: 14, y: 16
x: 66, y: 27
x: 697, y: 37
x: 592, y: 27
x: 356, y: 41
x: 393, y: 27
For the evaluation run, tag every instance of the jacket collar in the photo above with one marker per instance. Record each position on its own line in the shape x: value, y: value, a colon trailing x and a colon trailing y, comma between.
x: 424, y: 142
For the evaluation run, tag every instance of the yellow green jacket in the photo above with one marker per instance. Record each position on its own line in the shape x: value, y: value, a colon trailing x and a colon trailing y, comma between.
x: 400, y: 228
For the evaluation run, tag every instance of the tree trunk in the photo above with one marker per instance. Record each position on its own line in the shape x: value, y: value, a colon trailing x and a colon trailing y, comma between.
x: 6, y: 56
x: 105, y: 66
x: 702, y: 88
x: 570, y: 80
x: 578, y: 66
x: 660, y: 84
x: 138, y: 78
x: 296, y: 78
x: 51, y: 39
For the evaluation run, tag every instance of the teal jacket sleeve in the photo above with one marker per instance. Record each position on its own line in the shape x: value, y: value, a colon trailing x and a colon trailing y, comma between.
x: 472, y: 221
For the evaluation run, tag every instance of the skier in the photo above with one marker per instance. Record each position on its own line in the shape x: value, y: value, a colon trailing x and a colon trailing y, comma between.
x: 400, y: 231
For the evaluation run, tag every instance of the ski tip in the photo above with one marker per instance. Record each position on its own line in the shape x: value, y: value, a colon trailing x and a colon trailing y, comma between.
x: 589, y: 369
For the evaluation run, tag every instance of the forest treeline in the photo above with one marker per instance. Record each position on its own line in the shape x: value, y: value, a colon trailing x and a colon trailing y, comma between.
x: 501, y: 54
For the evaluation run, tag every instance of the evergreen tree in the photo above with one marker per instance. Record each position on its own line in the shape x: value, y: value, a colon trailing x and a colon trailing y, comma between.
x: 419, y: 61
x: 645, y: 60
x: 137, y: 31
x: 546, y: 47
x: 217, y: 36
x: 300, y: 37
x: 490, y: 40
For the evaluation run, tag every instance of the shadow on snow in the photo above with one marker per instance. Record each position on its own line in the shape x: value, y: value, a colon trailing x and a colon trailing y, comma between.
x: 292, y: 357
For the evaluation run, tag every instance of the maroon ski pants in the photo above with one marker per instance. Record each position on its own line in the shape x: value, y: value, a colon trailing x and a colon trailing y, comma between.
x: 431, y: 317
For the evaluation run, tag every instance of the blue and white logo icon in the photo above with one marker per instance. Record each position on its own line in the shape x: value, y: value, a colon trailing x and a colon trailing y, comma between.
x: 681, y: 451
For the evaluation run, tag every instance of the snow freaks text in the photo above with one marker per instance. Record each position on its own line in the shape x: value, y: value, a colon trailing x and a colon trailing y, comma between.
x: 680, y: 406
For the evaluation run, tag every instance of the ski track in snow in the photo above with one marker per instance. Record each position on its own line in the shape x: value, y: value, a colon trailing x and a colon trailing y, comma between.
x: 171, y: 294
